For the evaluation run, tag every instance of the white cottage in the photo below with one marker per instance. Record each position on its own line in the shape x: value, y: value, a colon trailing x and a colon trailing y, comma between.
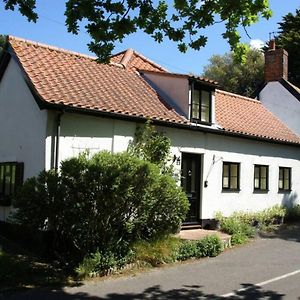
x: 233, y: 154
x: 277, y: 93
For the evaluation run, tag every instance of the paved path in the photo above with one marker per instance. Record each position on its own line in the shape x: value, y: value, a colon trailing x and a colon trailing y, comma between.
x: 268, y: 268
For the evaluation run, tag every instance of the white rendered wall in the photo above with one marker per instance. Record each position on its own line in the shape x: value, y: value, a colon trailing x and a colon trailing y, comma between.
x: 282, y: 103
x: 174, y: 89
x: 82, y: 132
x: 22, y: 125
x: 247, y: 153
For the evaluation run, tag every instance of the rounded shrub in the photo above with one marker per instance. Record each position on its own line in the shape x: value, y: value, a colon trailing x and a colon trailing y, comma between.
x: 103, y: 204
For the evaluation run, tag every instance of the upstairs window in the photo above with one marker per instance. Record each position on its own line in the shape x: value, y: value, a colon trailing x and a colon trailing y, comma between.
x: 200, y: 104
x: 284, y: 182
x: 261, y: 178
x: 231, y: 176
x: 11, y: 177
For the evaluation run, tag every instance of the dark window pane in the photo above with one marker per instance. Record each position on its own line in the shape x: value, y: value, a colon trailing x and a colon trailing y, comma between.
x: 233, y: 182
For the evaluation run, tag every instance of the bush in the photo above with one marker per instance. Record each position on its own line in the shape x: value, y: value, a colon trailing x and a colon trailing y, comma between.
x: 293, y: 213
x: 99, y: 264
x: 186, y: 250
x: 241, y: 225
x: 103, y: 204
x: 209, y: 246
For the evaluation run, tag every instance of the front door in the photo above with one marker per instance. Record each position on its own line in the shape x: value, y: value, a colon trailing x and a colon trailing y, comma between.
x: 190, y: 182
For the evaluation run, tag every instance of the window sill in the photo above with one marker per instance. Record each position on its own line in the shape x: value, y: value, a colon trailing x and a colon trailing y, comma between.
x: 231, y: 190
x: 258, y: 191
x: 284, y: 191
x: 197, y: 121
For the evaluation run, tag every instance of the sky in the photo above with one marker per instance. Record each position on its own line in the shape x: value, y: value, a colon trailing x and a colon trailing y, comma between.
x: 50, y: 29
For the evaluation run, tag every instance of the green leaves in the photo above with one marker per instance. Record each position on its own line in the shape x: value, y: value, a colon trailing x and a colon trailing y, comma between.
x: 183, y: 21
x: 289, y: 39
x: 26, y: 8
x: 239, y: 72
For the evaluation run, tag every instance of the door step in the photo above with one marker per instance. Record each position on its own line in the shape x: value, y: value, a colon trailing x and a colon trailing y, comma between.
x: 191, y: 226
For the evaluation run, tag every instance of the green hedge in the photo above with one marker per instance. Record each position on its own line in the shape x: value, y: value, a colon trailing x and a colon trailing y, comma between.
x: 102, y: 204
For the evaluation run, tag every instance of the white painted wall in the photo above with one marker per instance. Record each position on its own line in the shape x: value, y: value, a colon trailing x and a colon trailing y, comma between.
x: 247, y: 153
x: 82, y: 132
x: 282, y: 103
x: 22, y: 125
x: 173, y: 89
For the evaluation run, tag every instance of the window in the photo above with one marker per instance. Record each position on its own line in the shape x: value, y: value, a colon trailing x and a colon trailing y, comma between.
x: 11, y: 176
x: 284, y: 182
x: 261, y: 174
x: 231, y: 176
x: 200, y: 105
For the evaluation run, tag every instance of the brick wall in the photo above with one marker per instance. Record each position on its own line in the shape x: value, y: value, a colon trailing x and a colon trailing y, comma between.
x: 276, y: 64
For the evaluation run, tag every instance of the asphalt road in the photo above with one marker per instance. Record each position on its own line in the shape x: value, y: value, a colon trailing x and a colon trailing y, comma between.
x: 268, y: 268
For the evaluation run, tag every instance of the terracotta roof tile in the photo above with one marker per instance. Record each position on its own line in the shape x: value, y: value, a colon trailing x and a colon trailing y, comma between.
x: 247, y: 116
x: 132, y: 60
x: 67, y: 78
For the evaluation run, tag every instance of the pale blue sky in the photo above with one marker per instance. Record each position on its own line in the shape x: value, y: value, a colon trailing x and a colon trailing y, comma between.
x: 50, y: 30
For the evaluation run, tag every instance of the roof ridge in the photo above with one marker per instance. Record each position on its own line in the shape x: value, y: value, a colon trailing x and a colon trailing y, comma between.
x: 143, y: 57
x: 239, y: 96
x: 150, y: 61
x: 58, y: 49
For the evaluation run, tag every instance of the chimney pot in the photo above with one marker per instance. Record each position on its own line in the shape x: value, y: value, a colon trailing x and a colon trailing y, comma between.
x: 272, y: 45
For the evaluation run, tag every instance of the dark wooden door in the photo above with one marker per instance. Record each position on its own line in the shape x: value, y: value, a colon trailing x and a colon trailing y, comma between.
x: 190, y: 182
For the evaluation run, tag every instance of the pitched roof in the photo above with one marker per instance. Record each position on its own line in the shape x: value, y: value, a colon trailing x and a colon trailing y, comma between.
x: 72, y: 80
x: 132, y: 60
x: 247, y: 116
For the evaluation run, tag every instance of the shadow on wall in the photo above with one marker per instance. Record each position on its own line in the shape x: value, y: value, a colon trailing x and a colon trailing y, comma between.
x: 290, y: 200
x: 156, y: 293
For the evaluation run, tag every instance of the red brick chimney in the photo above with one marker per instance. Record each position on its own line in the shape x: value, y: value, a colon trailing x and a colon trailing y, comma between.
x: 276, y: 63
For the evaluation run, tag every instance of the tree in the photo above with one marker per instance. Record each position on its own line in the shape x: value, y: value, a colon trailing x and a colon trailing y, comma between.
x: 237, y: 77
x: 181, y: 21
x: 289, y: 39
x: 2, y: 42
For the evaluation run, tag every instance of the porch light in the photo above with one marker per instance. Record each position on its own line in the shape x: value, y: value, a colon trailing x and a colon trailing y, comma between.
x: 177, y: 159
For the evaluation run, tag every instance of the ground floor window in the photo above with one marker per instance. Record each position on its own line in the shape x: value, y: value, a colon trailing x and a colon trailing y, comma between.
x: 261, y: 177
x: 231, y: 176
x: 11, y: 176
x: 284, y: 182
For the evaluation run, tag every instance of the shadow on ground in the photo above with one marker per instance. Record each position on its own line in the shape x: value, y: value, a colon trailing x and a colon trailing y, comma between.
x: 288, y: 231
x: 155, y: 293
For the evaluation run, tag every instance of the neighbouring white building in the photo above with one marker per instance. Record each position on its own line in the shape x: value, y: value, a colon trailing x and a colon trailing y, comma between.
x: 277, y: 94
x: 233, y: 154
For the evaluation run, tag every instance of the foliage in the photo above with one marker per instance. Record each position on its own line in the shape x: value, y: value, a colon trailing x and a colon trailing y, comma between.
x: 156, y: 252
x: 101, y: 263
x: 293, y: 213
x: 241, y: 225
x: 289, y: 39
x: 180, y: 21
x: 2, y: 42
x: 103, y: 203
x: 186, y: 250
x: 234, y: 76
x: 151, y: 145
x: 209, y: 246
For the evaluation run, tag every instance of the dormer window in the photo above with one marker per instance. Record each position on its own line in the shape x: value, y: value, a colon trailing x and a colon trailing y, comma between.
x: 200, y: 108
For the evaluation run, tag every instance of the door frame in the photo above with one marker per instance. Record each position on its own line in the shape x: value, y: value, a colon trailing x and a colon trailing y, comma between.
x: 199, y: 185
